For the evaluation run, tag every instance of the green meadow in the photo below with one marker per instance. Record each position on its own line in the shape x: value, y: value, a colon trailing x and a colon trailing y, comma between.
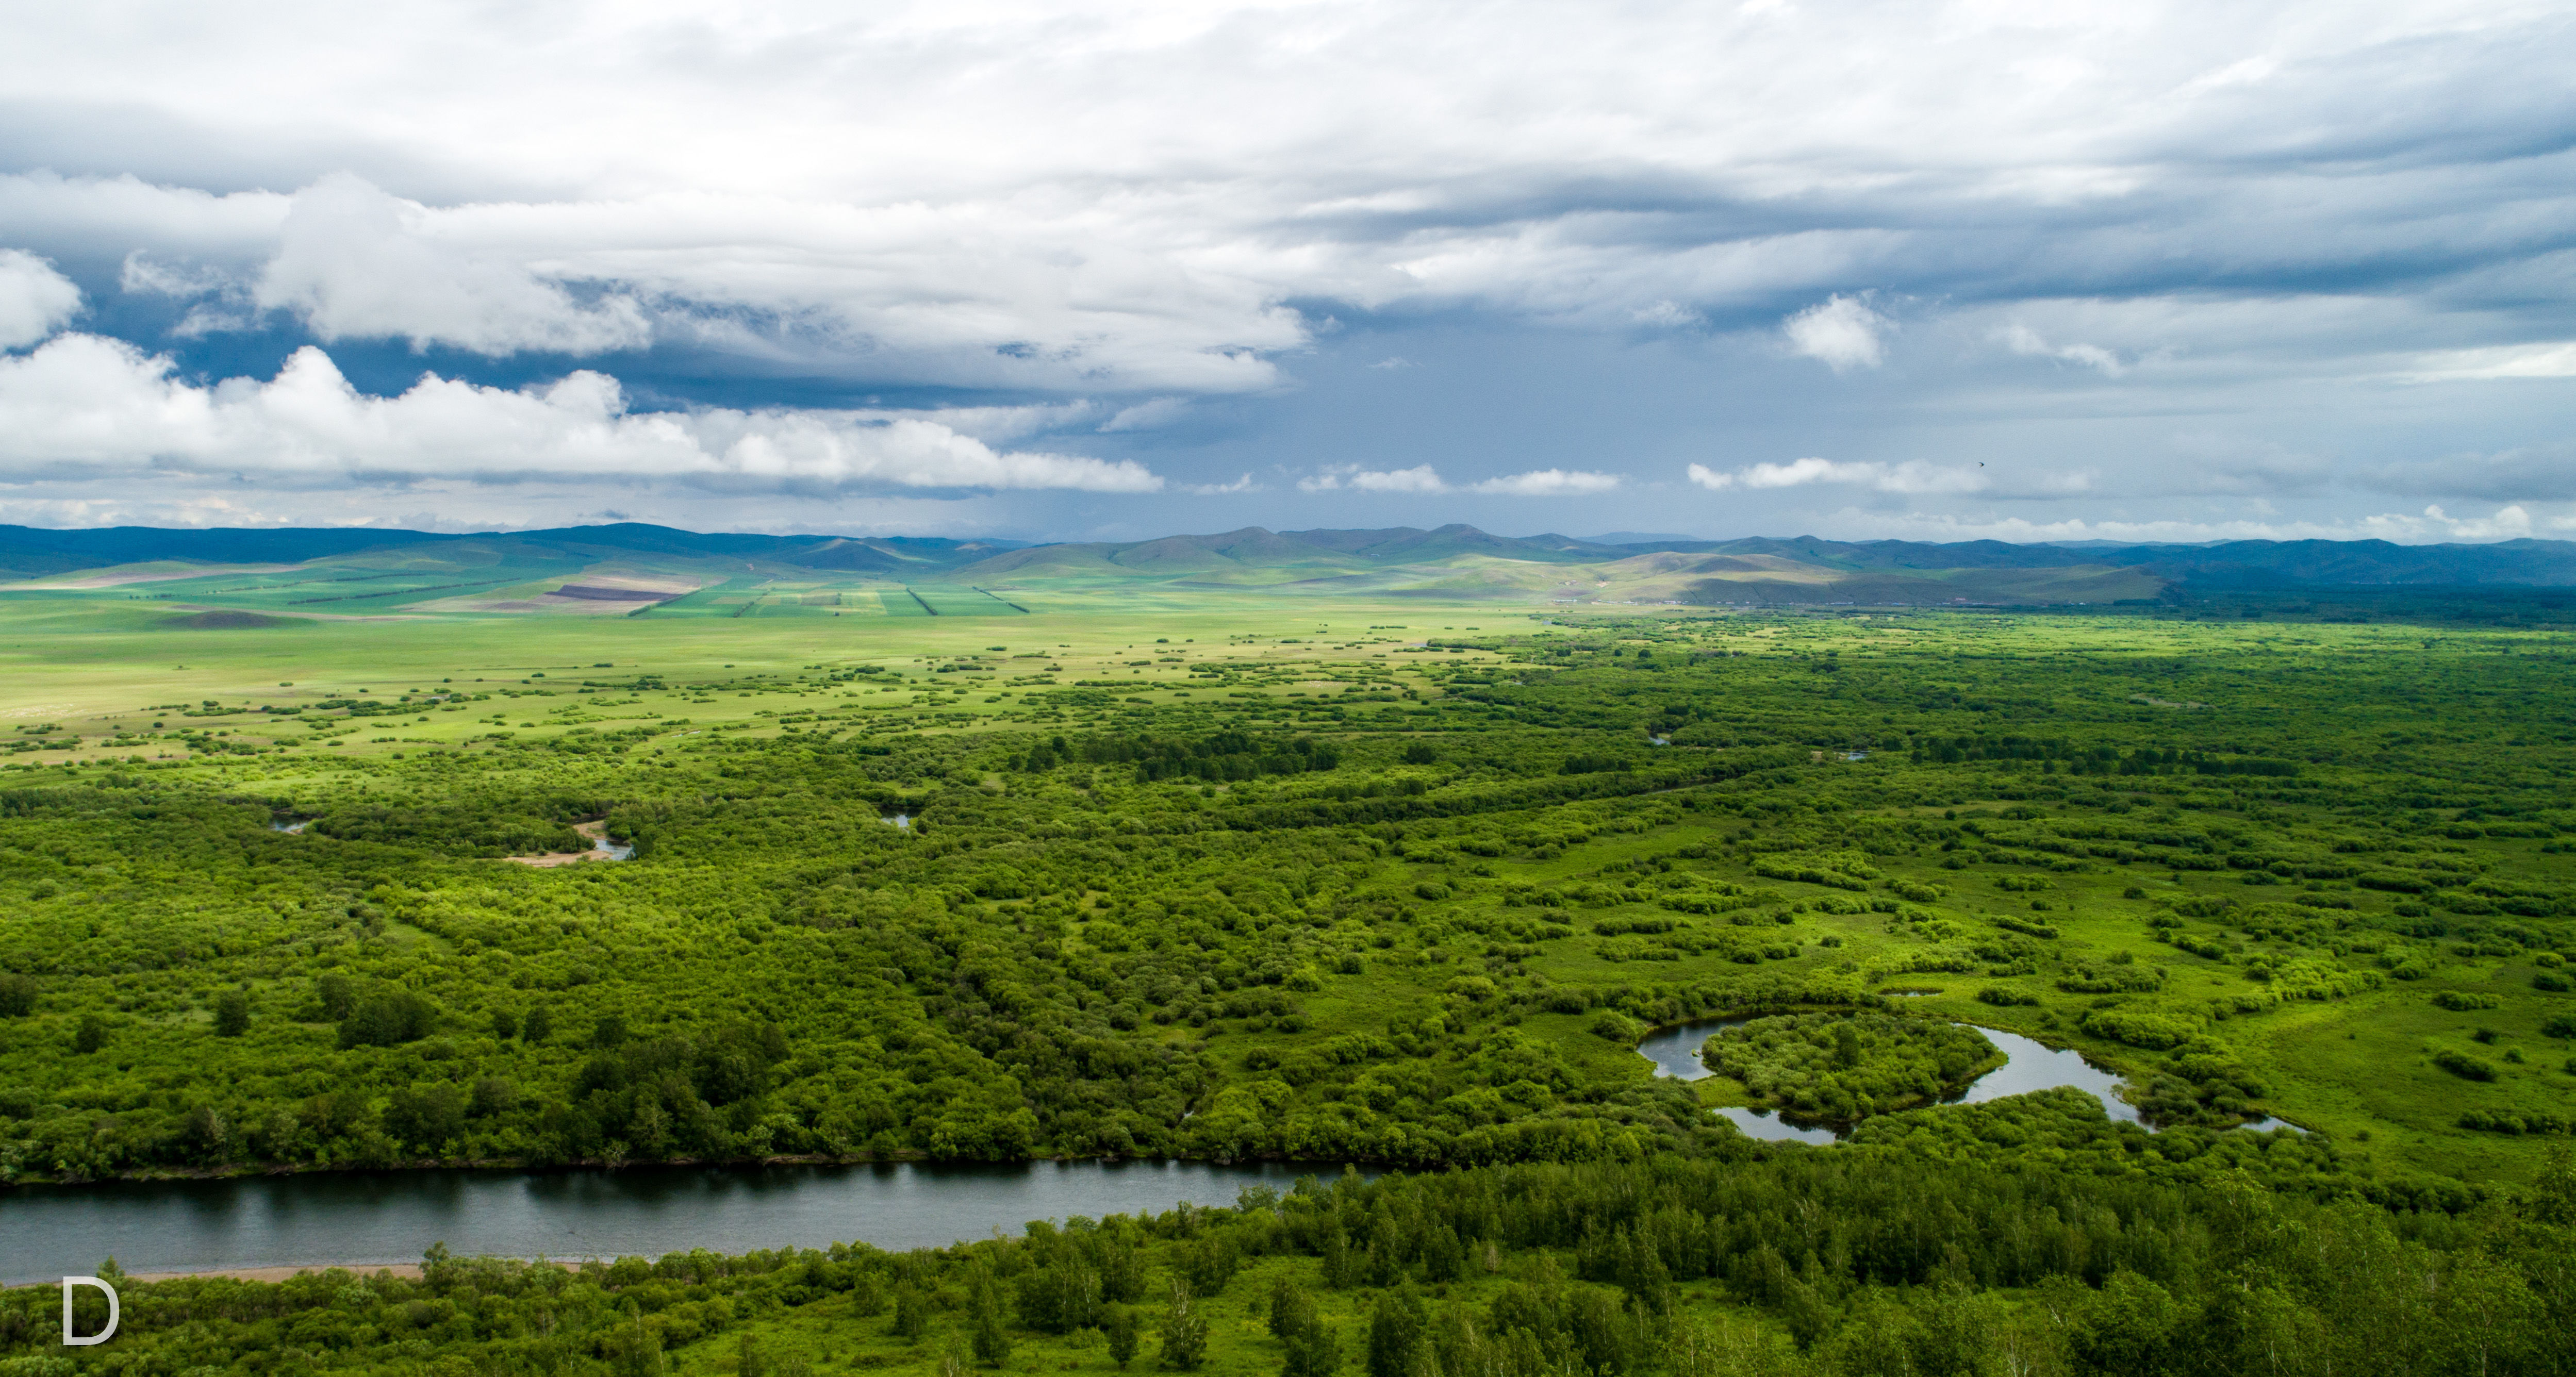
x: 1228, y: 874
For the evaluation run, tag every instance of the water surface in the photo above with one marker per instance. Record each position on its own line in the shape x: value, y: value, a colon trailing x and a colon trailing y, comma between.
x: 371, y: 1219
x: 2028, y: 1065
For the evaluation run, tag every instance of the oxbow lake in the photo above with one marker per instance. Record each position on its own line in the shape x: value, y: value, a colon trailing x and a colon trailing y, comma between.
x: 2028, y: 1065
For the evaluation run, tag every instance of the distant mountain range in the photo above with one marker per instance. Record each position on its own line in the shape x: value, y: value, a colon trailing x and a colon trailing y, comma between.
x: 27, y: 551
x: 1451, y: 562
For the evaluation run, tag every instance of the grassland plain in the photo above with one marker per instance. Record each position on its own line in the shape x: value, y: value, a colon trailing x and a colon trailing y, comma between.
x: 1219, y: 875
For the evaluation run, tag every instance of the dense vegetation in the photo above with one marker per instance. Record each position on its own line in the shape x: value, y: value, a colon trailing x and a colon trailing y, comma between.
x: 1835, y: 1068
x: 1378, y: 928
x: 1867, y: 1262
x: 1376, y: 901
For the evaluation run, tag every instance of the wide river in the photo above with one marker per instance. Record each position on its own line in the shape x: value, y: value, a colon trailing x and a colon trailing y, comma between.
x: 370, y: 1219
x: 374, y: 1218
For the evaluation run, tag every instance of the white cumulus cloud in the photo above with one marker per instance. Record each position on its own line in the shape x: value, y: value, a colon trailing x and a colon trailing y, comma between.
x: 1912, y: 476
x: 1549, y: 483
x: 1841, y: 331
x: 35, y: 300
x: 1420, y: 478
x: 2023, y: 340
x: 83, y: 405
x: 357, y: 263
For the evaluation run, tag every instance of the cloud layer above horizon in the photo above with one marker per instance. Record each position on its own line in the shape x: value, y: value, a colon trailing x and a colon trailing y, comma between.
x: 1978, y: 269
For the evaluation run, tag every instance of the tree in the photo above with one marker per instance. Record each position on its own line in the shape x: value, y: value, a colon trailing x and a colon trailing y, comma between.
x: 492, y: 1095
x: 632, y: 1350
x: 1312, y: 1352
x: 538, y: 1027
x: 89, y: 1035
x: 17, y: 995
x: 388, y: 1019
x: 1122, y: 1273
x: 426, y: 1116
x: 337, y: 993
x: 2127, y: 1326
x: 1292, y: 1309
x: 1119, y: 1325
x: 505, y: 1025
x: 1341, y: 1261
x: 1395, y: 1334
x: 984, y: 1321
x: 1209, y: 1264
x: 232, y: 1013
x: 1185, y: 1329
x: 911, y: 1314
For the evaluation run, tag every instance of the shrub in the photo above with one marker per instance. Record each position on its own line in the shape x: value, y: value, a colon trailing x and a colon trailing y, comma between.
x: 2462, y: 1001
x: 1617, y: 1027
x: 2138, y: 1028
x: 385, y: 1020
x: 2465, y: 1067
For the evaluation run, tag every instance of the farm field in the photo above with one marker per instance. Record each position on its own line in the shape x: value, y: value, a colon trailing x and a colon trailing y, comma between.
x: 1228, y: 875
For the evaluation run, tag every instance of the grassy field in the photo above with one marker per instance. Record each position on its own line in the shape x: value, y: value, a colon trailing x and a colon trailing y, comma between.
x: 2110, y: 911
x: 1217, y: 874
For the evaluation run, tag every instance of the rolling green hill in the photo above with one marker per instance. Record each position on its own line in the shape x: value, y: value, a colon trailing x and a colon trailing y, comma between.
x: 658, y: 572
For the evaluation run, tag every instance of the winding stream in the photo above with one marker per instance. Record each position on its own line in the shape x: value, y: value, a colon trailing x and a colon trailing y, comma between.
x: 2028, y: 1065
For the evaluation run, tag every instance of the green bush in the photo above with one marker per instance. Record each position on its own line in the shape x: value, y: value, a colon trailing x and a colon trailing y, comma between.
x: 1838, y: 1068
x: 2142, y: 1028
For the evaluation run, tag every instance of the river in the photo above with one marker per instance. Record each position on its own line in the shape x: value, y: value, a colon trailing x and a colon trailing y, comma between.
x: 375, y: 1218
x: 2028, y: 1065
x: 372, y: 1219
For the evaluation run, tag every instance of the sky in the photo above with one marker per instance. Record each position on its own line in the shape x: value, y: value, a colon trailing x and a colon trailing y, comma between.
x: 1938, y: 271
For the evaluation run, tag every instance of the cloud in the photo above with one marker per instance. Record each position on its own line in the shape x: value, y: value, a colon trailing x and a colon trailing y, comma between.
x: 1417, y: 479
x: 35, y: 300
x: 2023, y: 340
x: 1667, y: 314
x: 1913, y: 476
x: 2431, y: 528
x: 2528, y: 473
x: 2550, y: 360
x: 1143, y: 191
x: 1159, y: 412
x: 85, y: 406
x: 2506, y: 523
x: 1797, y: 473
x: 2256, y: 225
x: 1549, y: 483
x: 1842, y: 331
x: 1243, y: 484
x: 354, y: 262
